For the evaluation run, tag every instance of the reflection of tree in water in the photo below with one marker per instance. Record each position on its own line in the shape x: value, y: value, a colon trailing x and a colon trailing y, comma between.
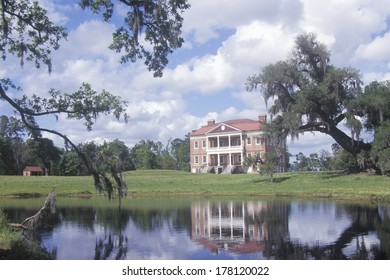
x: 365, y: 220
x: 114, y: 244
x: 153, y: 219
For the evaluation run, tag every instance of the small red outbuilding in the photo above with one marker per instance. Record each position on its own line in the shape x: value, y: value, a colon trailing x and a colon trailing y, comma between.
x: 33, y: 171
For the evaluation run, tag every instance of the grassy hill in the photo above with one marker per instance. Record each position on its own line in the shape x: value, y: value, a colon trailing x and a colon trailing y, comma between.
x: 334, y: 185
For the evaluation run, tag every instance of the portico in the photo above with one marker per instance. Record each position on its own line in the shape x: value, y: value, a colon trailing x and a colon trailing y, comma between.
x: 221, y: 147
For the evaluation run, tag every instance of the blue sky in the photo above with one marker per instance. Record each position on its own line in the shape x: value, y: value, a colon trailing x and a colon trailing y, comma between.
x: 226, y: 41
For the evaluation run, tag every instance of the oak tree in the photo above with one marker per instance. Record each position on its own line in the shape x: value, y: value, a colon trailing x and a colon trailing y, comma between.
x: 27, y: 32
x: 310, y: 94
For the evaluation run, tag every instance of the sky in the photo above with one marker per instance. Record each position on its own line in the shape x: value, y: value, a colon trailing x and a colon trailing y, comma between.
x: 225, y: 42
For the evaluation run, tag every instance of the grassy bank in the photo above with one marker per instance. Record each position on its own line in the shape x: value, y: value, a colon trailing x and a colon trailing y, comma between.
x: 174, y: 183
x: 13, y: 246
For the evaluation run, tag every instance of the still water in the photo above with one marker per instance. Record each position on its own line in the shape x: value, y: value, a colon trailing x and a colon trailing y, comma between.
x: 190, y: 229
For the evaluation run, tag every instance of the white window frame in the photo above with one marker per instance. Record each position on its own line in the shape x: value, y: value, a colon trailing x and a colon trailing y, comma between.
x: 196, y: 145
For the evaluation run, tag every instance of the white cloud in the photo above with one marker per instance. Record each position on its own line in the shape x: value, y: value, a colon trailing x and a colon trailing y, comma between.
x: 206, y: 18
x: 229, y: 40
x: 376, y: 50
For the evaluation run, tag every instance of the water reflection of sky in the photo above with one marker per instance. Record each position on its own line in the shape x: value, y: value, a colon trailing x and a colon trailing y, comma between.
x: 219, y: 230
x: 316, y: 222
x: 160, y: 244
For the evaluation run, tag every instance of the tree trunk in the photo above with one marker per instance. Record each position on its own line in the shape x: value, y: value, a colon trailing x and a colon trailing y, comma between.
x: 348, y: 143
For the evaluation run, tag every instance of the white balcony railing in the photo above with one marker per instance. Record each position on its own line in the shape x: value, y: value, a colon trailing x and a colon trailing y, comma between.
x: 224, y: 148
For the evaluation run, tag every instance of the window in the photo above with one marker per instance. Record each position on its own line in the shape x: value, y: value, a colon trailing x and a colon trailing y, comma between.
x: 204, y: 144
x: 221, y: 159
x: 196, y: 145
x: 204, y: 159
x: 196, y: 159
x: 258, y: 140
x: 248, y: 140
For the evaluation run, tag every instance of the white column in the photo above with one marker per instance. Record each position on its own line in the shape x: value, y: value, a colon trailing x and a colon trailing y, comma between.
x: 208, y: 219
x: 231, y: 221
x: 220, y: 221
x: 243, y: 220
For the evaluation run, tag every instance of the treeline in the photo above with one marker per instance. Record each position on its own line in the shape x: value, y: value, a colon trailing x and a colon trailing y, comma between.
x: 324, y: 160
x: 18, y: 149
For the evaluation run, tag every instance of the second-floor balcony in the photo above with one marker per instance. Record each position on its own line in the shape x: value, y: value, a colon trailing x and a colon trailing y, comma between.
x: 225, y: 143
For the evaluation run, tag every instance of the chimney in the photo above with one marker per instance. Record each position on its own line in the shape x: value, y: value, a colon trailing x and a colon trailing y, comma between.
x: 263, y: 118
x: 210, y: 122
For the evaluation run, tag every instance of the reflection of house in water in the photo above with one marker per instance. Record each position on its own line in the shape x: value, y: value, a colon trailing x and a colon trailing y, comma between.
x: 234, y: 227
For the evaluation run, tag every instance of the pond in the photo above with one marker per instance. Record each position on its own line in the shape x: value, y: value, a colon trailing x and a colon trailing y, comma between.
x: 193, y: 229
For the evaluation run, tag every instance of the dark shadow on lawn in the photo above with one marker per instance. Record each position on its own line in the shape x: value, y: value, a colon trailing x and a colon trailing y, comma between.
x: 268, y: 180
x: 335, y: 174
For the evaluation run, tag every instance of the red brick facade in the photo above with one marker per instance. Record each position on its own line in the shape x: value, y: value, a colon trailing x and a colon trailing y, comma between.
x: 222, y: 147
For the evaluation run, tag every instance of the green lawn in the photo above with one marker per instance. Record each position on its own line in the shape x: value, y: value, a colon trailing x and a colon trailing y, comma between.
x: 175, y: 183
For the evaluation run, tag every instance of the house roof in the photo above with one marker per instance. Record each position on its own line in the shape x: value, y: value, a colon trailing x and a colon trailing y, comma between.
x: 236, y: 124
x: 33, y: 169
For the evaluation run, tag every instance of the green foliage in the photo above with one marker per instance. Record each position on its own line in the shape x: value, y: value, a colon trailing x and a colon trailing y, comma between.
x: 159, y: 22
x: 7, y: 160
x: 14, y: 246
x: 271, y: 162
x: 380, y: 152
x: 71, y: 165
x: 148, y: 154
x: 27, y: 33
x: 43, y: 152
x: 310, y: 94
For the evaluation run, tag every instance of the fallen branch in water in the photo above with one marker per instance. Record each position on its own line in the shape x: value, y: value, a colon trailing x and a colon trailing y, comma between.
x: 33, y: 222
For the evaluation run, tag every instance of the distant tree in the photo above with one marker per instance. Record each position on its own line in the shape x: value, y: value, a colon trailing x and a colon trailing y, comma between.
x: 253, y: 162
x: 313, y: 162
x: 13, y: 130
x: 7, y: 160
x: 341, y: 159
x: 42, y: 151
x: 166, y: 160
x: 178, y: 150
x: 71, y: 165
x: 143, y: 156
x: 324, y: 158
x: 182, y: 152
x: 301, y: 162
x: 270, y: 163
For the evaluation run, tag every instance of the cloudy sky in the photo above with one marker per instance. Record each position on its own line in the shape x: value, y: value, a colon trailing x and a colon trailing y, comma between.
x: 226, y: 41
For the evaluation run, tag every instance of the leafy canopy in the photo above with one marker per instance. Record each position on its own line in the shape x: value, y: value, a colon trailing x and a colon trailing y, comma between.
x: 309, y: 93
